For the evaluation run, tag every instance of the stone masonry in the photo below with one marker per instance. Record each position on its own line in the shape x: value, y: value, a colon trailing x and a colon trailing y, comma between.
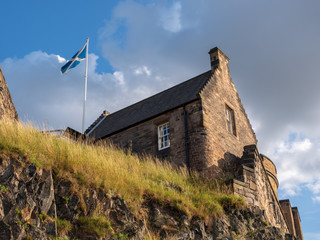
x: 297, y: 222
x: 253, y: 184
x: 219, y: 92
x: 210, y: 145
x: 292, y: 217
x: 256, y: 181
x: 142, y: 138
x: 7, y: 108
x: 202, y: 138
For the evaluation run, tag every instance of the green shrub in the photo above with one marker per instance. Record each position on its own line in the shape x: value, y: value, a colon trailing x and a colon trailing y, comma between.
x: 66, y: 199
x: 3, y: 188
x: 231, y: 202
x: 63, y: 226
x: 98, y: 225
x: 122, y: 236
x: 265, y: 222
x: 29, y: 237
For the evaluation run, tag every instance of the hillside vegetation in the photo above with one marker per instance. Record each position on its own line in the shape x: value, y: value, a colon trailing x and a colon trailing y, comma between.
x: 106, y: 167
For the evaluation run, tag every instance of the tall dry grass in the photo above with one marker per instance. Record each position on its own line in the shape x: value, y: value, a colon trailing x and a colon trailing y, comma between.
x: 106, y: 167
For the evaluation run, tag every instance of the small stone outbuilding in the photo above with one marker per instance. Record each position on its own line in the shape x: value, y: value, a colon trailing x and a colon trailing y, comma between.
x: 201, y: 123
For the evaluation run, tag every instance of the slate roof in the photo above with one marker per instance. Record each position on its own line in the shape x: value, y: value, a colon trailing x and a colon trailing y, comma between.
x: 153, y: 106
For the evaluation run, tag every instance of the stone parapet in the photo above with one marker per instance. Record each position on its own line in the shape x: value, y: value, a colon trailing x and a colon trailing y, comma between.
x: 252, y: 182
x: 242, y: 189
x: 297, y: 223
x: 287, y: 211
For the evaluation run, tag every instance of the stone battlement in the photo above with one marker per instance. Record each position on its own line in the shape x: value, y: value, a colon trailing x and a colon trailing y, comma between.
x: 256, y: 181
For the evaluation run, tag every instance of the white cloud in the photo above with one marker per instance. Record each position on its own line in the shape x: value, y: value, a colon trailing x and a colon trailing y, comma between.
x: 311, y: 235
x: 143, y: 91
x: 293, y: 147
x: 297, y: 163
x: 170, y: 18
x: 316, y: 199
x: 61, y: 59
x: 142, y: 70
x: 41, y: 94
x: 119, y: 77
x: 315, y: 186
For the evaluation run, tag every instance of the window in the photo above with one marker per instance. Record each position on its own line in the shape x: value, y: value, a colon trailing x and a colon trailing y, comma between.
x: 213, y: 58
x: 231, y: 125
x: 163, y: 136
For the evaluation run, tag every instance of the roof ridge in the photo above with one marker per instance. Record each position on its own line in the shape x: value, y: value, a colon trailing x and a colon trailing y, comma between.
x: 140, y: 107
x: 122, y: 109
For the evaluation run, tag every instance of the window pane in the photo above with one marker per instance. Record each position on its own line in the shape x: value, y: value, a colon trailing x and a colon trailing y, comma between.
x: 228, y: 115
x: 231, y: 126
x: 163, y: 136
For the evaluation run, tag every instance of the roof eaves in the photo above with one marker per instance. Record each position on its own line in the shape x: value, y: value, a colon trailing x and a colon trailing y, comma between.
x: 147, y: 119
x: 145, y: 99
x: 197, y: 96
x: 96, y: 125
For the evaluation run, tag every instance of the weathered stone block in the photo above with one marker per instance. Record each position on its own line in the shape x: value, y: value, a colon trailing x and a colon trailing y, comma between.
x: 252, y: 185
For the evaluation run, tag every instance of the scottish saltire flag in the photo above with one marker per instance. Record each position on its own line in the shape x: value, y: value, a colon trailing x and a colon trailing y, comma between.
x: 75, y: 60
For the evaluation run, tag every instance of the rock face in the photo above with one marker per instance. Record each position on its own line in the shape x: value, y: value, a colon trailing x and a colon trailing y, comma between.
x: 26, y: 197
x: 7, y: 108
x: 35, y: 204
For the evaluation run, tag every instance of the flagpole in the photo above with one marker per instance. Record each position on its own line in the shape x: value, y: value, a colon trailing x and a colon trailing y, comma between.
x: 85, y: 88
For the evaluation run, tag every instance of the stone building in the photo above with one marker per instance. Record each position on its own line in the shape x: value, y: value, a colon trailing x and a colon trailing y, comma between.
x: 201, y: 123
x: 7, y: 108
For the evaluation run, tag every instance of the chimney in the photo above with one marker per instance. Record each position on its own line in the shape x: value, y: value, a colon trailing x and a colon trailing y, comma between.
x: 217, y: 57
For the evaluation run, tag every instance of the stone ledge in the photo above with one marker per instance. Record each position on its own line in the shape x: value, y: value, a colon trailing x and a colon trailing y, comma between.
x: 249, y: 169
x: 238, y: 182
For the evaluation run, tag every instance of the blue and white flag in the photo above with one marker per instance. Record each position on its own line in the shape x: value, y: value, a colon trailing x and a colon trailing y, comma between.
x: 75, y: 60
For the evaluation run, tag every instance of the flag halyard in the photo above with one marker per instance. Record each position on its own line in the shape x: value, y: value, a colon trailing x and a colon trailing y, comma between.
x: 75, y: 60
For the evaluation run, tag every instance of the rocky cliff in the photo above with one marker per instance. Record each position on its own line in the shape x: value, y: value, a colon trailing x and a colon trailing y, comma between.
x: 36, y: 204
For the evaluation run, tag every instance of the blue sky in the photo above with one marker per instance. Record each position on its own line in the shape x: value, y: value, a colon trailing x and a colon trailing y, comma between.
x: 138, y: 48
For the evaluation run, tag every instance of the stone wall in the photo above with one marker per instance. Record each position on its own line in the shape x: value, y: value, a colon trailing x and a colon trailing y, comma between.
x: 218, y: 93
x: 293, y: 218
x: 7, y: 108
x: 143, y: 138
x: 297, y: 223
x: 272, y: 173
x: 286, y: 208
x: 210, y: 145
x: 252, y: 182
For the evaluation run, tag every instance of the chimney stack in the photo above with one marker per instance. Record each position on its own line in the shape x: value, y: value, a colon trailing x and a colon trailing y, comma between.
x: 217, y: 57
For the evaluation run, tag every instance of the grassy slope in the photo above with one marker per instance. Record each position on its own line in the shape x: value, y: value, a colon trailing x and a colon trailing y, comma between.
x: 111, y: 169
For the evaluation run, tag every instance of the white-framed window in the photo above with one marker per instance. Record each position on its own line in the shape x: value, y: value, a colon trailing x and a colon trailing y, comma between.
x: 163, y: 136
x: 231, y: 124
